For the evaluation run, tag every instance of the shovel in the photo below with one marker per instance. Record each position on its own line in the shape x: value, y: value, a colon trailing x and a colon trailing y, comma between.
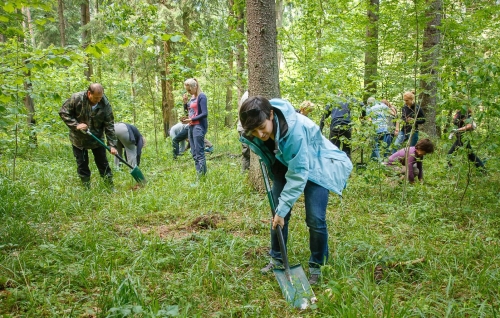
x: 136, y: 173
x: 292, y: 280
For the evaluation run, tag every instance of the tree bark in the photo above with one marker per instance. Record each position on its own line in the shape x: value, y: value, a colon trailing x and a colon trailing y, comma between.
x: 263, y: 70
x: 62, y: 27
x: 86, y: 36
x: 371, y: 50
x: 187, y: 9
x: 240, y: 50
x: 428, y: 70
x: 279, y: 25
x: 228, y: 118
x: 29, y: 24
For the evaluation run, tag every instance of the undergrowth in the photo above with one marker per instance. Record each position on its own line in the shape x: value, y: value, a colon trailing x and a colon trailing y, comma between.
x: 169, y: 249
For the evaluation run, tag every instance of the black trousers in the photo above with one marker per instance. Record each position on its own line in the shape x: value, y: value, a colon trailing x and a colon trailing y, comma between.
x: 343, y: 144
x: 470, y: 155
x: 101, y: 161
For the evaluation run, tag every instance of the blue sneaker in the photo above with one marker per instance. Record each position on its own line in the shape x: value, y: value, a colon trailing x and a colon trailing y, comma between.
x: 209, y: 149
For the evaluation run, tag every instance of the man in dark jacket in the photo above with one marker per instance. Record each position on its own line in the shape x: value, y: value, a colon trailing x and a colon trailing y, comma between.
x: 463, y: 121
x: 340, y: 128
x: 90, y: 110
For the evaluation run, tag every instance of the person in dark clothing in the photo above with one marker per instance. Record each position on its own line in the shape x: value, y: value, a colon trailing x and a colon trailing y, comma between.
x: 131, y: 139
x: 410, y: 109
x: 340, y: 127
x: 464, y: 123
x: 90, y: 110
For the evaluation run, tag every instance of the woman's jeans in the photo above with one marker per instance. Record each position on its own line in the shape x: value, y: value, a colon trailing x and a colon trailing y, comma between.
x: 316, y: 200
x: 180, y: 138
x: 382, y: 142
x: 402, y: 137
x: 197, y: 143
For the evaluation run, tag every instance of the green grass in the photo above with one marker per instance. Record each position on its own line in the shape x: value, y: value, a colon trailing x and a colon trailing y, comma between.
x: 171, y: 250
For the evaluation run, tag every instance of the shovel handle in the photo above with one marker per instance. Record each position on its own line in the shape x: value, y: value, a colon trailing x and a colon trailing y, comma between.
x: 109, y: 149
x: 279, y: 232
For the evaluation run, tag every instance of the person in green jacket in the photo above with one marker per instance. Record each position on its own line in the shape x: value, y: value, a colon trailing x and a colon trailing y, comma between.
x: 90, y: 110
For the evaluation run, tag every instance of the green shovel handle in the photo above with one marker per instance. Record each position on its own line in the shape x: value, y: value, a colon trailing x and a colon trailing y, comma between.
x: 109, y: 149
x: 279, y: 232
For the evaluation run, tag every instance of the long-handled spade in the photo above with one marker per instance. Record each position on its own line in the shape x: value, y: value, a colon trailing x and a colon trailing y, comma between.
x: 136, y: 172
x: 292, y: 280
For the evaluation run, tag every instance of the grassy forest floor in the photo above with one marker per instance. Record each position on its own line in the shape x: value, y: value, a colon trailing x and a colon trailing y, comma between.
x: 171, y: 250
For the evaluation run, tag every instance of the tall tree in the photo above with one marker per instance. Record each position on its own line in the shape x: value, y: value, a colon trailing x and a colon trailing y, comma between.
x: 28, y: 25
x: 263, y: 71
x: 86, y: 35
x: 62, y: 28
x: 428, y: 69
x: 228, y: 118
x: 371, y: 50
x: 240, y: 48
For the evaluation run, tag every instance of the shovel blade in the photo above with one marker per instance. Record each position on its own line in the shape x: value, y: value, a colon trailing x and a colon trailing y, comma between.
x: 296, y: 290
x: 138, y: 176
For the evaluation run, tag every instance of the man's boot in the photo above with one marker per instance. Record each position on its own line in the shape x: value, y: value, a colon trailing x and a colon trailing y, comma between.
x: 85, y: 182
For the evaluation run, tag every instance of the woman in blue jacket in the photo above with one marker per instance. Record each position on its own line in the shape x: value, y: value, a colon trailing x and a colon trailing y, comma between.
x: 301, y: 160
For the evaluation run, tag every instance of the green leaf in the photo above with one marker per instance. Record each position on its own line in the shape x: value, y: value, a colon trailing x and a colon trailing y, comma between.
x: 176, y: 38
x: 3, y: 19
x: 166, y: 37
x: 9, y: 7
x: 92, y: 50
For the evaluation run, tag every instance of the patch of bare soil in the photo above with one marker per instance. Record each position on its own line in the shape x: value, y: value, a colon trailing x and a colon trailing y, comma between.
x: 176, y: 231
x: 205, y: 222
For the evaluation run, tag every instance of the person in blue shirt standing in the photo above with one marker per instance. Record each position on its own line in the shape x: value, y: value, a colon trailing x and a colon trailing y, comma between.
x: 301, y: 160
x: 379, y: 113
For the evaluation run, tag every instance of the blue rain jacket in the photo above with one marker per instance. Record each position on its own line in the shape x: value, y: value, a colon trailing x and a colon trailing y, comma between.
x: 307, y: 154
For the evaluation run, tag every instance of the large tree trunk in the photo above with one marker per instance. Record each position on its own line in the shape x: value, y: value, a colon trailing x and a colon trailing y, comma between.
x: 187, y: 9
x: 28, y: 25
x: 263, y: 71
x: 240, y: 50
x: 62, y: 27
x: 371, y: 50
x: 279, y: 25
x: 86, y: 36
x: 430, y: 57
x: 228, y: 118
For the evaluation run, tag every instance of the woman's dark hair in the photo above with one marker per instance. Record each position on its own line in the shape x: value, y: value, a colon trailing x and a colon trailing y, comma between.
x: 253, y: 112
x: 425, y: 145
